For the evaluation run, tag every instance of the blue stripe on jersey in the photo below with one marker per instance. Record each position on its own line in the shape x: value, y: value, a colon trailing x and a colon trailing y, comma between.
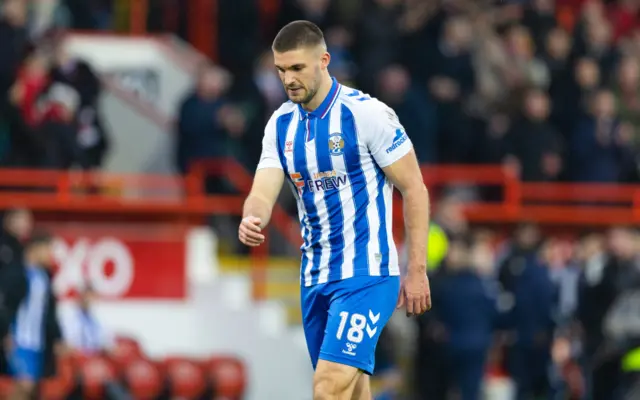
x: 358, y: 190
x: 332, y: 200
x: 382, y: 216
x: 28, y: 327
x: 300, y: 165
x: 282, y: 126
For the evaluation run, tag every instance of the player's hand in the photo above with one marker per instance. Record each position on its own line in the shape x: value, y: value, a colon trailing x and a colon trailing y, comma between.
x: 250, y: 232
x: 415, y: 294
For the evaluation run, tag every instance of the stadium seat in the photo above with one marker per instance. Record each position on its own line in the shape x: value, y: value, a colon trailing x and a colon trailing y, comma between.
x: 5, y: 387
x: 144, y: 379
x: 186, y: 377
x: 95, y: 372
x: 228, y: 376
x: 61, y: 386
x: 126, y: 350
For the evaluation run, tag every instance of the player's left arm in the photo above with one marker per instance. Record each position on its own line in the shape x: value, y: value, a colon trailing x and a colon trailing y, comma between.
x: 393, y: 152
x: 405, y: 175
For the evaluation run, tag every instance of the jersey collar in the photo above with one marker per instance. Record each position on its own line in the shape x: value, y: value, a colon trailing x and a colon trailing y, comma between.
x: 323, y: 110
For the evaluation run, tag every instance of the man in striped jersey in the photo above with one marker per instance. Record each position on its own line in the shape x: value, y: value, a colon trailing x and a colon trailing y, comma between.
x: 27, y: 342
x: 342, y: 152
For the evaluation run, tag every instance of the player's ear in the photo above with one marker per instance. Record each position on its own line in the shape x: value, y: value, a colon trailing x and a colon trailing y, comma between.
x: 325, y: 60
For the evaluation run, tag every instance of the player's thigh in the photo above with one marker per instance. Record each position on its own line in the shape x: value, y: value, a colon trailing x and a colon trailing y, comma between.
x: 314, y: 319
x: 358, y: 311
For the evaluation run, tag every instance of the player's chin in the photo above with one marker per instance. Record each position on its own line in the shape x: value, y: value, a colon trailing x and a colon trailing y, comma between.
x: 296, y: 99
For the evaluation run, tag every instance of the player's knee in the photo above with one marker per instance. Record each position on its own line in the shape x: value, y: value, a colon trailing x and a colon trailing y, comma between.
x: 333, y: 381
x: 325, y: 388
x: 362, y: 390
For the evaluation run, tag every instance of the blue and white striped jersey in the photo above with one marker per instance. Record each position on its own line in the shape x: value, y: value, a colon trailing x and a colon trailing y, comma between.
x: 333, y: 158
x: 29, y: 326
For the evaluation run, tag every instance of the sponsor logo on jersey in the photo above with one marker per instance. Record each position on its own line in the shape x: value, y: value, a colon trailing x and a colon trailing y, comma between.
x: 398, y: 140
x: 322, y: 181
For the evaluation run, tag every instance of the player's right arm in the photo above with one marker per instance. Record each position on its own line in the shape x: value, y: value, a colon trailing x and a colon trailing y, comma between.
x: 266, y: 187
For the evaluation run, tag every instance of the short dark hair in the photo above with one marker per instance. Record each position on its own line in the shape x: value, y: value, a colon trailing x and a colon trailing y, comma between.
x: 297, y: 34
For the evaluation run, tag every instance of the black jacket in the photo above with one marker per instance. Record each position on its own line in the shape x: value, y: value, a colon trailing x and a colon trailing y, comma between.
x: 10, y: 249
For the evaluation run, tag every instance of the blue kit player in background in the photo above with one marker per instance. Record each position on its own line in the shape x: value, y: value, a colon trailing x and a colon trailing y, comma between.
x: 27, y: 352
x: 341, y: 152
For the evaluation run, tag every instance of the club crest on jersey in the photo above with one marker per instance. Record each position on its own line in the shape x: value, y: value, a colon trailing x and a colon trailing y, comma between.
x: 336, y: 144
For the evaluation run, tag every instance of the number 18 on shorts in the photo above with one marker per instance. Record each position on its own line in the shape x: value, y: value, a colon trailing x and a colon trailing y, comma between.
x: 343, y: 320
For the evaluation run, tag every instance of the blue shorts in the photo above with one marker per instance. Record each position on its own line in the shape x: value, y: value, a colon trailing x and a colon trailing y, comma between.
x: 26, y: 364
x: 342, y: 320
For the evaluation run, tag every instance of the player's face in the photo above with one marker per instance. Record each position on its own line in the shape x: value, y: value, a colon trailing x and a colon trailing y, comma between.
x: 301, y: 72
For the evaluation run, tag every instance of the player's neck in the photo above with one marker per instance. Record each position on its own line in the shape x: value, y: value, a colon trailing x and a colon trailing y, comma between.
x: 321, y: 94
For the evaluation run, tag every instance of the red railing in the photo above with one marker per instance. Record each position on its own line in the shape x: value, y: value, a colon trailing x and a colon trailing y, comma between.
x: 120, y: 197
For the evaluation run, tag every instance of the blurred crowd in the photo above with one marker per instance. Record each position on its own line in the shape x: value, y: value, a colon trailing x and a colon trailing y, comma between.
x: 49, y: 115
x: 522, y: 314
x: 550, y: 87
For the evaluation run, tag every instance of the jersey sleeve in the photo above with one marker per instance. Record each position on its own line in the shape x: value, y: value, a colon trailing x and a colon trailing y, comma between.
x: 386, y: 138
x: 269, y: 157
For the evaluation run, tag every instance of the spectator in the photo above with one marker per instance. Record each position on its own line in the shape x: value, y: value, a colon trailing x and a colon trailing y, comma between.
x: 58, y: 128
x: 533, y: 144
x: 604, y: 278
x: 599, y: 148
x: 627, y: 92
x: 467, y: 321
x: 92, y: 137
x: 416, y: 111
x: 16, y: 227
x: 530, y: 320
x: 201, y: 133
x: 82, y: 330
x: 13, y: 41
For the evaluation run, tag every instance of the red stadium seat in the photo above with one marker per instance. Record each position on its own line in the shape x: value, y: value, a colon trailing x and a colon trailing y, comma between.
x: 228, y: 375
x: 95, y: 372
x: 60, y: 386
x: 126, y: 350
x: 144, y: 379
x: 186, y: 377
x: 6, y: 385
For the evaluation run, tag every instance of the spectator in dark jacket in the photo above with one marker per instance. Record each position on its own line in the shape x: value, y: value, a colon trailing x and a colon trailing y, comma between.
x: 92, y: 137
x: 533, y: 144
x: 600, y: 148
x: 530, y: 320
x: 467, y: 311
x: 201, y: 133
x: 16, y: 226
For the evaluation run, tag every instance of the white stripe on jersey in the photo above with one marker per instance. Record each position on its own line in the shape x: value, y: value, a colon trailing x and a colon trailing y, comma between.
x: 348, y: 206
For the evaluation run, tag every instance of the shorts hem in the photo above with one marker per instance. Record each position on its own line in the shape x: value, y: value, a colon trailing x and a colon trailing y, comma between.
x: 367, y: 368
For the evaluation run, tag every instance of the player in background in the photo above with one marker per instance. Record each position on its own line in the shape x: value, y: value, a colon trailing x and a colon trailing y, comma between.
x: 342, y: 152
x: 33, y: 323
